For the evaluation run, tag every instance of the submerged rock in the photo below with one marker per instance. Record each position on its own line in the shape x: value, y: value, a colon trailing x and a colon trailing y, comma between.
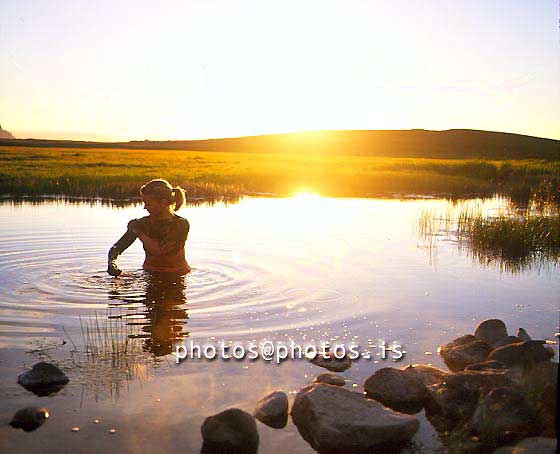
x: 330, y: 378
x: 397, y: 390
x: 43, y: 379
x: 29, y: 418
x: 533, y: 445
x: 330, y: 362
x: 232, y: 431
x: 522, y: 353
x: 504, y: 415
x: 272, y: 410
x: 428, y: 375
x: 491, y: 331
x: 464, y: 351
x: 335, y: 420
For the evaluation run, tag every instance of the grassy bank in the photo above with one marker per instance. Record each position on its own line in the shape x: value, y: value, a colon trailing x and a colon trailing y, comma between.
x: 118, y: 173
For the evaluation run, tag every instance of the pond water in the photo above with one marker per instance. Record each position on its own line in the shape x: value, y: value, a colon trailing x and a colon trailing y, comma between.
x: 302, y: 269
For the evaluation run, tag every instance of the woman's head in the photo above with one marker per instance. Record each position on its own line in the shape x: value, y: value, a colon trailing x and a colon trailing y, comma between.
x: 159, y: 196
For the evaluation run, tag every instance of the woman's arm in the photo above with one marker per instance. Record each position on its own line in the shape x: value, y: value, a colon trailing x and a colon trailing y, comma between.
x: 151, y: 245
x: 117, y: 249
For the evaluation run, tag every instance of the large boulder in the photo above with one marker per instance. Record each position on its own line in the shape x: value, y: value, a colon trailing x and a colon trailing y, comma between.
x: 464, y: 351
x: 504, y: 415
x: 336, y: 420
x: 396, y: 389
x: 43, y: 379
x: 29, y: 418
x: 272, y: 410
x: 522, y: 354
x: 506, y: 341
x: 487, y: 365
x: 533, y: 445
x: 232, y: 431
x: 539, y: 383
x: 491, y: 331
x: 330, y: 378
x: 453, y: 401
x: 429, y: 375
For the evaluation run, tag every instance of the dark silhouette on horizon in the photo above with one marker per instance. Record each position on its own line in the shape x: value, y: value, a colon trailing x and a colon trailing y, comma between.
x: 414, y: 143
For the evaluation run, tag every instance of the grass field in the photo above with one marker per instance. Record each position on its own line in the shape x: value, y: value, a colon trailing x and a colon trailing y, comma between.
x: 118, y: 173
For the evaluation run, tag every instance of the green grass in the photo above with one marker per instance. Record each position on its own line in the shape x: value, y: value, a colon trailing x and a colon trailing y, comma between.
x: 118, y: 173
x: 513, y: 242
x: 516, y: 239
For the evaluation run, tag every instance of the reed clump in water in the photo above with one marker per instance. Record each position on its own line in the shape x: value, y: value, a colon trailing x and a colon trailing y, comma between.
x: 108, y: 357
x: 514, y: 239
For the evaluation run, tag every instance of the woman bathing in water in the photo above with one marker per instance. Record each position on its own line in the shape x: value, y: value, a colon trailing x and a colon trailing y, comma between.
x: 163, y: 233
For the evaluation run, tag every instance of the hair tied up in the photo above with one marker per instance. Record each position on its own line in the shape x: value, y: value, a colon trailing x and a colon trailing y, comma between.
x: 162, y: 188
x: 178, y: 194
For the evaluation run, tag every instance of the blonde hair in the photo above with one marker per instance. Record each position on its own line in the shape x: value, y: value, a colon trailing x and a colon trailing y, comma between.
x: 162, y: 189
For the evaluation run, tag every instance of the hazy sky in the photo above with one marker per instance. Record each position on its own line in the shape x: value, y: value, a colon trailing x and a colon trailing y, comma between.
x: 120, y: 70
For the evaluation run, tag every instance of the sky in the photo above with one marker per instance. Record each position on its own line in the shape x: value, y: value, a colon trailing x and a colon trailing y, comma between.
x: 135, y: 70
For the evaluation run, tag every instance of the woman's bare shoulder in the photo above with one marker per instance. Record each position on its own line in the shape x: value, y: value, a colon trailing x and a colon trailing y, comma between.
x: 181, y: 219
x: 139, y: 222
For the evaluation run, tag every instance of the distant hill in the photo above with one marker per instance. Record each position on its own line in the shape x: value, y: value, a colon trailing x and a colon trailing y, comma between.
x: 454, y: 143
x: 5, y: 134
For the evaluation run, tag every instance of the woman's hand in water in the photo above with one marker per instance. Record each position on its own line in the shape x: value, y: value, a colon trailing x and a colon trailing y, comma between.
x: 113, y: 269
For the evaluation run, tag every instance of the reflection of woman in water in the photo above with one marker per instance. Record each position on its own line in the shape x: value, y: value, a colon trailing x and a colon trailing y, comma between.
x: 165, y: 316
x: 161, y: 318
x: 163, y: 233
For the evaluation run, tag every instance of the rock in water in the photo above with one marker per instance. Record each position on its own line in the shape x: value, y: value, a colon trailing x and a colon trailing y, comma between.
x: 491, y: 331
x: 506, y: 341
x: 330, y: 362
x: 232, y: 431
x: 453, y: 401
x: 523, y: 335
x: 335, y: 420
x: 29, y: 418
x: 43, y: 379
x: 504, y: 415
x: 428, y: 375
x: 397, y: 390
x: 464, y: 351
x: 533, y: 445
x: 487, y: 365
x: 272, y: 410
x: 522, y: 354
x: 330, y: 378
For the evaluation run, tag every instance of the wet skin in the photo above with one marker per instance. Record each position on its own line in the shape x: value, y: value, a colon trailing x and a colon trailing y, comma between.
x: 163, y: 235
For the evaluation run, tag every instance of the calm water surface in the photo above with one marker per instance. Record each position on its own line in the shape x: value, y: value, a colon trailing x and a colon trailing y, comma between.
x: 307, y: 269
